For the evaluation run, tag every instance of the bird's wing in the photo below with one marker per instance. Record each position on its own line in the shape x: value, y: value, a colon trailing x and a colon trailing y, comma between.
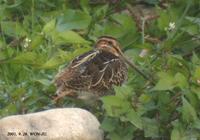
x: 76, y: 67
x: 73, y: 69
x: 113, y: 70
x: 93, y: 70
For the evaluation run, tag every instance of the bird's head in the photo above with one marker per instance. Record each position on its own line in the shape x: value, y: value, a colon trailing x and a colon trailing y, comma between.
x: 109, y: 44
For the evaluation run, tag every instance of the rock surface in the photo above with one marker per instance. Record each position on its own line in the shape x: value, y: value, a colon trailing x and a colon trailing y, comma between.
x: 54, y: 124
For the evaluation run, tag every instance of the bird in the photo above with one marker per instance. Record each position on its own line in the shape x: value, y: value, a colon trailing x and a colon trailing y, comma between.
x: 96, y: 71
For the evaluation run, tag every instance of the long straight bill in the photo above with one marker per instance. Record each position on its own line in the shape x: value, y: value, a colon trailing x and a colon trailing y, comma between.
x: 135, y: 68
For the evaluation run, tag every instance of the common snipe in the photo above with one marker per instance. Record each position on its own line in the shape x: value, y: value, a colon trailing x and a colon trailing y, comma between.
x: 95, y: 71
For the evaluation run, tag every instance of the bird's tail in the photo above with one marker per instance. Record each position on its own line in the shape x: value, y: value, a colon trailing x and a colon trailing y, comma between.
x: 60, y: 93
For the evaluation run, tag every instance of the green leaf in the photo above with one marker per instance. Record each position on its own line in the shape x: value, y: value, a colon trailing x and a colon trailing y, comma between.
x: 123, y: 91
x: 64, y: 36
x: 114, y: 136
x: 134, y: 118
x: 85, y: 5
x: 195, y: 59
x: 115, y: 106
x: 31, y: 58
x: 37, y: 41
x: 166, y: 82
x: 125, y: 21
x: 144, y: 98
x: 163, y: 20
x: 69, y: 37
x: 165, y: 17
x: 121, y: 132
x: 44, y: 82
x: 100, y: 11
x: 197, y: 73
x: 9, y: 109
x: 123, y: 26
x: 61, y: 57
x: 196, y: 124
x: 176, y: 134
x: 154, y: 2
x: 52, y: 63
x: 181, y: 81
x: 18, y: 93
x: 109, y: 124
x: 49, y: 27
x: 13, y: 28
x: 195, y: 20
x: 73, y: 19
x: 180, y: 133
x: 191, y: 29
x: 196, y: 90
x: 188, y: 112
x: 151, y: 127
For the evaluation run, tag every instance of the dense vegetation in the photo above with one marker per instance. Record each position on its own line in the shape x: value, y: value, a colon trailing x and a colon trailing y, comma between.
x: 39, y: 37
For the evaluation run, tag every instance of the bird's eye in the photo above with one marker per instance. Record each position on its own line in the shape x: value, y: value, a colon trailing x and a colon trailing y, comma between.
x: 110, y: 44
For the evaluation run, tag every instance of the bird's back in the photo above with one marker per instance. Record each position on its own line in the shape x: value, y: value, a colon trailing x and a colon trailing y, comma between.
x: 95, y: 71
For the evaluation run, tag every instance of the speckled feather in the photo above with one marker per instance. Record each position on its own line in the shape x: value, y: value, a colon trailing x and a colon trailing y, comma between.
x: 95, y: 71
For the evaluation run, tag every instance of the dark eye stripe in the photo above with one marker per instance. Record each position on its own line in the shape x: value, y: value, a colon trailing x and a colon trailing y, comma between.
x: 110, y: 42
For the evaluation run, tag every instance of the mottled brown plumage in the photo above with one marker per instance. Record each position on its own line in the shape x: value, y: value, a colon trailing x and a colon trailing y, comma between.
x: 95, y: 71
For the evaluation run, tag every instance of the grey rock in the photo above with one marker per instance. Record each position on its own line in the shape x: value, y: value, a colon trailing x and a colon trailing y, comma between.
x: 54, y: 124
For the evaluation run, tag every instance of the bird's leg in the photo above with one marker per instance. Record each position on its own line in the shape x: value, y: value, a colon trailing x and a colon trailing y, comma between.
x: 63, y: 94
